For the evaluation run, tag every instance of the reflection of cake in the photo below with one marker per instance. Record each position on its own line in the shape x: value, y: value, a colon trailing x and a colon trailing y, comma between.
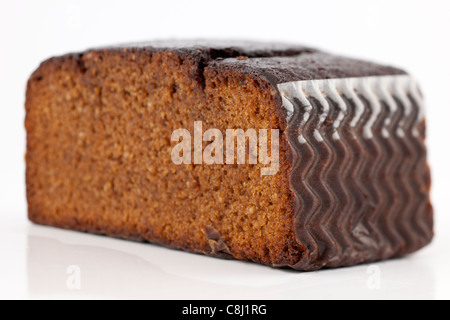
x: 353, y: 182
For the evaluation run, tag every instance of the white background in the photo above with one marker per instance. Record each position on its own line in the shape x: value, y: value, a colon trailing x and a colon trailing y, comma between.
x: 34, y: 260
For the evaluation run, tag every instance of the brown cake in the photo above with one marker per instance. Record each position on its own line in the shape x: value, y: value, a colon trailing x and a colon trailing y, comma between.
x: 351, y: 184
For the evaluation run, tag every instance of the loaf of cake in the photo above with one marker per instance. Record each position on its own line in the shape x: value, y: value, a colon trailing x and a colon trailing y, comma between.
x: 135, y: 142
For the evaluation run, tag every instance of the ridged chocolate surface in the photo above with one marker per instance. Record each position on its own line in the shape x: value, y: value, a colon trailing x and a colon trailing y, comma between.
x: 359, y: 174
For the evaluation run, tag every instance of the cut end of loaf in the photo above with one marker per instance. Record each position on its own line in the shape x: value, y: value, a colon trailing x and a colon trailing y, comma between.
x: 99, y: 126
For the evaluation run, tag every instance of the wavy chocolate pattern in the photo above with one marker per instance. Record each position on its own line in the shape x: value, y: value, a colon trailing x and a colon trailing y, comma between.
x: 359, y: 174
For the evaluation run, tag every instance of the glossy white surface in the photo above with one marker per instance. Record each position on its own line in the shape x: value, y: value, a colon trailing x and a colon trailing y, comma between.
x: 34, y: 260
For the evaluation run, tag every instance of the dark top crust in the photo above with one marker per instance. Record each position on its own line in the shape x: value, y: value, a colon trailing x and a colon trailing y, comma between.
x: 308, y: 66
x: 275, y: 62
x: 217, y: 49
